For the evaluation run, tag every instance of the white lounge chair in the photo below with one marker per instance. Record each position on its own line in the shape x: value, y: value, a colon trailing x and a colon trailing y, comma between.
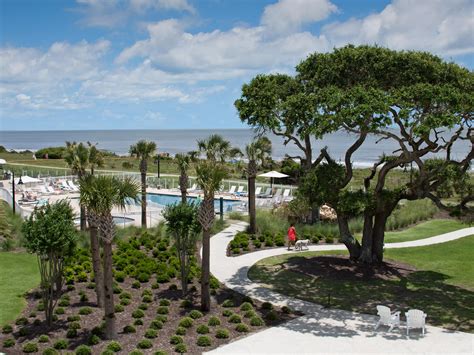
x: 286, y: 195
x: 268, y: 193
x: 415, y: 320
x: 73, y: 186
x: 192, y: 188
x: 258, y: 190
x: 387, y: 318
x: 240, y: 190
x: 65, y: 186
x: 232, y: 189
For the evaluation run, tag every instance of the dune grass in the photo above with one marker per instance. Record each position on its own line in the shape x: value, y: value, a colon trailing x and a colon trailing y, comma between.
x: 18, y: 274
x: 442, y: 284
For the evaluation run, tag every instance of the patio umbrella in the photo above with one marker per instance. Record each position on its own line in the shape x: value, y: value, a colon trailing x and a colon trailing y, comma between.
x: 2, y: 161
x: 25, y: 179
x: 273, y: 175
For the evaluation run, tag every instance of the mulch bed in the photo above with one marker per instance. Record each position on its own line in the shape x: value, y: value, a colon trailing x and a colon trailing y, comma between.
x: 36, y: 325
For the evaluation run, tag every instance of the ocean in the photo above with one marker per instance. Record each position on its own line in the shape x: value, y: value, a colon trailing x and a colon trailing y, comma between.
x: 183, y: 140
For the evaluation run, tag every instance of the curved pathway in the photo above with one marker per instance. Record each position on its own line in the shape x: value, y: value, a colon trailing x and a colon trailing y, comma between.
x: 323, y: 330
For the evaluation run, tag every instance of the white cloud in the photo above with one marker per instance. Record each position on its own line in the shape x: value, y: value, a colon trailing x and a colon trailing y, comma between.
x: 289, y: 15
x: 110, y: 13
x: 444, y: 27
x: 238, y: 50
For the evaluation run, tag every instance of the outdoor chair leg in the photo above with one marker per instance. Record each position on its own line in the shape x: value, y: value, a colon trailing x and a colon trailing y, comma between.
x: 377, y: 325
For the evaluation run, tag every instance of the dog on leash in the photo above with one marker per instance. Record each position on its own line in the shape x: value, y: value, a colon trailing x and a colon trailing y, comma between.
x: 300, y: 244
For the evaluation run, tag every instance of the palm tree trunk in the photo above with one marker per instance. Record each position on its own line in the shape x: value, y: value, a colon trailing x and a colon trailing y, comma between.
x: 143, y: 199
x: 110, y: 328
x: 83, y: 218
x: 205, y: 272
x: 96, y: 265
x: 252, y: 209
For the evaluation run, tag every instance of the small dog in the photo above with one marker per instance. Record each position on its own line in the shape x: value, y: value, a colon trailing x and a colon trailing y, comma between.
x: 302, y: 243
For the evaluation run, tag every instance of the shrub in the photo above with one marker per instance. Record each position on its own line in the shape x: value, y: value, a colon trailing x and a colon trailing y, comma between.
x: 91, y: 285
x: 256, y: 321
x: 74, y: 318
x: 74, y: 325
x: 71, y: 333
x: 128, y: 329
x: 203, y: 341
x: 228, y: 303
x: 286, y: 310
x: 81, y: 277
x: 195, y: 314
x: 222, y: 334
x: 329, y: 239
x: 227, y: 313
x: 59, y: 310
x: 119, y: 308
x: 186, y: 322
x: 165, y: 302
x: 143, y: 306
x: 151, y: 333
x: 143, y: 277
x: 202, y: 329
x: 235, y: 318
x: 138, y: 314
x: 83, y: 298
x: 268, y: 242
x: 162, y: 310
x: 257, y: 244
x: 246, y: 306
x: 271, y: 316
x: 21, y: 321
x: 63, y: 302
x: 93, y: 340
x: 236, y: 251
x: 145, y: 344
x: 85, y: 311
x: 125, y: 302
x: 173, y: 287
x: 159, y: 352
x: 186, y: 304
x: 8, y: 343
x: 120, y: 276
x: 135, y: 352
x: 162, y: 278
x: 30, y: 347
x: 156, y: 324
x: 176, y: 339
x: 50, y: 351
x: 124, y: 295
x: 180, y: 331
x: 267, y: 305
x: 43, y: 338
x: 181, y: 349
x: 162, y: 318
x: 213, y: 321
x: 138, y: 322
x: 61, y: 344
x: 23, y: 331
x: 242, y: 328
x: 155, y: 285
x: 7, y: 329
x: 40, y: 307
x: 114, y: 346
x: 83, y: 350
x: 136, y: 284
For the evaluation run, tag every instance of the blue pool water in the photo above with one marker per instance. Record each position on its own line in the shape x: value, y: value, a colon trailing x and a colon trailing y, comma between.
x: 165, y: 200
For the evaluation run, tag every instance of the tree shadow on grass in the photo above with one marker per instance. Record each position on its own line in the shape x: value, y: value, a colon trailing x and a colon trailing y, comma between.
x: 447, y: 305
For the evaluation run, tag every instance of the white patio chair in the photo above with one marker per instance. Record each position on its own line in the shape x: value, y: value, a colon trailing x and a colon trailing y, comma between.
x: 258, y: 190
x: 192, y: 188
x: 415, y: 320
x: 232, y: 189
x: 240, y: 190
x: 387, y: 318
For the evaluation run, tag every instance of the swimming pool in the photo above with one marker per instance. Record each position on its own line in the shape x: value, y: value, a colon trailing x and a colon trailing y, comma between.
x: 120, y: 220
x: 165, y: 200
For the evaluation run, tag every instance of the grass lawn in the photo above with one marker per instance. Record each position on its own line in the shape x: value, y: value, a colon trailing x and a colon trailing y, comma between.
x: 424, y: 230
x: 19, y: 273
x: 442, y: 284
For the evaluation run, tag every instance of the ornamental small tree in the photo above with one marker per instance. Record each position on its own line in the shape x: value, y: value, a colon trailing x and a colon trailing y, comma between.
x: 182, y: 221
x: 50, y: 234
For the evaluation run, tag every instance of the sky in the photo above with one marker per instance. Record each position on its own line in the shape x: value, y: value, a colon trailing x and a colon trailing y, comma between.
x: 157, y: 64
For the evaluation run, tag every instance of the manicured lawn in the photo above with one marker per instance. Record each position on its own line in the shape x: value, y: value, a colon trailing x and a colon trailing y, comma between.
x: 18, y: 274
x: 424, y: 230
x: 442, y: 283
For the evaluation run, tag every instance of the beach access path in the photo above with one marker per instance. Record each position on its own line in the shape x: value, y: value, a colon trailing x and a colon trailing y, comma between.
x: 325, y: 330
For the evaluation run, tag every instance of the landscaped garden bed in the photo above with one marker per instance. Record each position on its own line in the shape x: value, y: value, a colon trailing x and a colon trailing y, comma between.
x: 151, y: 314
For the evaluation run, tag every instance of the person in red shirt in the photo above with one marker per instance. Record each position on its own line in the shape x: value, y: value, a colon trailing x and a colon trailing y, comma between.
x: 291, y: 236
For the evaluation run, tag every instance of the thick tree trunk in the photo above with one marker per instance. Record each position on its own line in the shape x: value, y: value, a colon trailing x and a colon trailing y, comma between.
x: 143, y: 176
x: 252, y: 209
x: 96, y: 265
x: 183, y: 186
x: 351, y: 243
x: 366, y: 254
x: 205, y: 272
x: 110, y: 328
x: 83, y: 219
x: 378, y: 236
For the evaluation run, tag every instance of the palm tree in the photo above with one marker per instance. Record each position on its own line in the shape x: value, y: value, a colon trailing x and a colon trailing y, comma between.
x: 215, y: 148
x: 102, y: 194
x: 257, y: 153
x: 183, y: 161
x: 209, y: 177
x: 143, y: 150
x: 77, y: 158
x: 96, y: 159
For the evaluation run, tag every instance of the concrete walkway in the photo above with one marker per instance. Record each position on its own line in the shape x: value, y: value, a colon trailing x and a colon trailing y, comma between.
x: 325, y: 331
